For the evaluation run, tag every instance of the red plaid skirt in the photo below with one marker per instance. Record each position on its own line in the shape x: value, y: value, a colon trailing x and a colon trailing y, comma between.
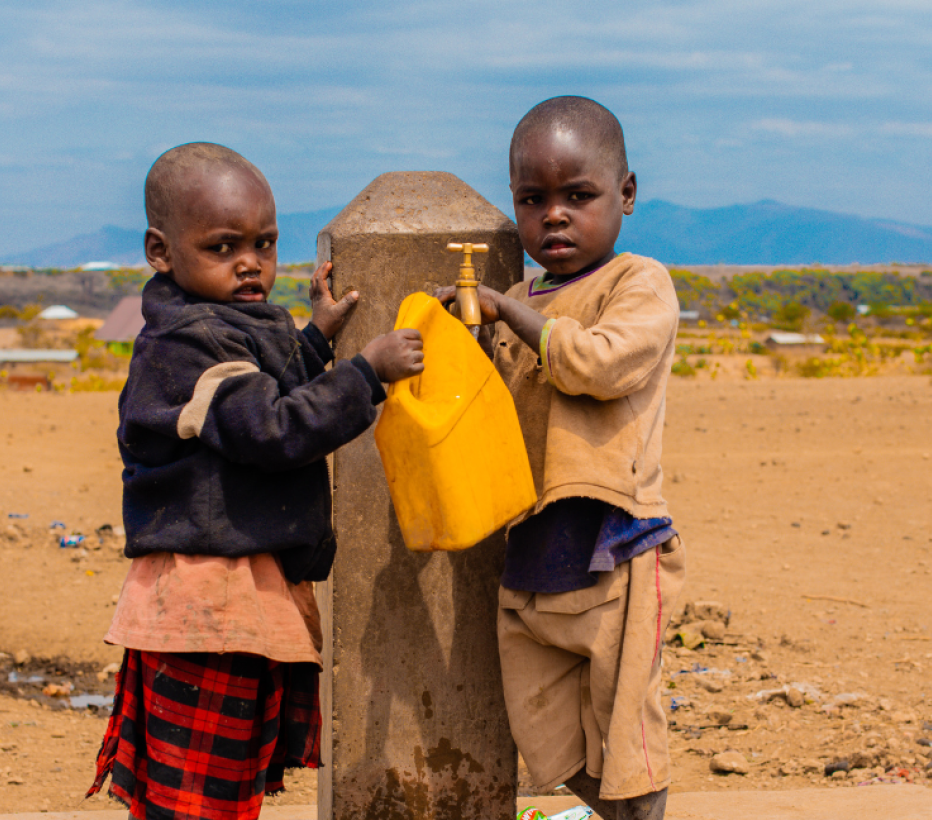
x: 204, y: 736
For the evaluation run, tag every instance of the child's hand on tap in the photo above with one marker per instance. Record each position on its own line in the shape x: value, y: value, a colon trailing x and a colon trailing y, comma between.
x: 526, y: 323
x: 488, y: 301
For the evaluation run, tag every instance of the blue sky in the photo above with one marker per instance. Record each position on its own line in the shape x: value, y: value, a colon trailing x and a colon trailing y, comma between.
x: 821, y: 104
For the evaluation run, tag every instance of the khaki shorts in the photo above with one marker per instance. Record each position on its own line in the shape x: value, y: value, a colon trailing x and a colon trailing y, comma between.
x: 581, y: 672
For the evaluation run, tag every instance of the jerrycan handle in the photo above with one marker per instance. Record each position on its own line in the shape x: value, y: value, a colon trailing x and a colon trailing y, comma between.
x: 408, y: 316
x: 410, y: 385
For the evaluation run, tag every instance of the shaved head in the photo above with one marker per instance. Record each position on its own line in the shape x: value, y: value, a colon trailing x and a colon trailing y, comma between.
x: 172, y: 173
x: 594, y: 123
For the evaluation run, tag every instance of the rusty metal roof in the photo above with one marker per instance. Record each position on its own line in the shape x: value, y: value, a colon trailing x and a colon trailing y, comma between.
x: 124, y: 322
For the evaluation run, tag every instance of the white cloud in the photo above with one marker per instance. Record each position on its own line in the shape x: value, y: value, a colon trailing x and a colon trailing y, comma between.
x: 907, y: 129
x: 792, y: 128
x: 835, y: 130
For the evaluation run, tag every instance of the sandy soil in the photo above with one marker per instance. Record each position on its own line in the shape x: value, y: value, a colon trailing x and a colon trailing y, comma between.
x: 782, y: 489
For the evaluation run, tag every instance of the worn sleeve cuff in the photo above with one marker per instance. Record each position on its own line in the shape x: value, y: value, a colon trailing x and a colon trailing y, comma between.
x: 545, y: 349
x: 378, y: 392
x: 318, y: 342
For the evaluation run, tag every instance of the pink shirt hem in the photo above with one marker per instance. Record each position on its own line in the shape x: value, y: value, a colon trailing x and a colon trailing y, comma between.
x: 198, y: 603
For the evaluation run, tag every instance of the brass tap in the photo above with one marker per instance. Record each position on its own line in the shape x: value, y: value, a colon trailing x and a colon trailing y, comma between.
x: 466, y: 306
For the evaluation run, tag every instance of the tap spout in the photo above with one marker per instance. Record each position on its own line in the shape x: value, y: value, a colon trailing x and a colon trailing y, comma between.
x: 466, y: 305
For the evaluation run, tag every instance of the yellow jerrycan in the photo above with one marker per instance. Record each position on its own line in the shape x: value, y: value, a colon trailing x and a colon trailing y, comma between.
x: 450, y: 440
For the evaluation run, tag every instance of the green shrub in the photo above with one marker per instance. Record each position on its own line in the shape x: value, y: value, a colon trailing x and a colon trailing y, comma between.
x: 791, y: 316
x: 693, y: 290
x: 731, y: 311
x: 128, y: 280
x: 841, y: 312
x: 93, y: 383
x: 758, y: 294
x: 682, y: 367
x: 817, y: 368
x: 292, y: 293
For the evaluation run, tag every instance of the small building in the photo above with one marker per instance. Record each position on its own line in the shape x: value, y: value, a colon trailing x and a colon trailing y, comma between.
x: 104, y: 266
x: 689, y: 315
x: 122, y: 326
x: 13, y: 355
x: 780, y: 339
x: 21, y: 368
x: 58, y: 312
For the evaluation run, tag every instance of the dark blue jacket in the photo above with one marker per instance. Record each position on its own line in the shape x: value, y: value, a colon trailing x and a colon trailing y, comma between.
x: 225, y: 423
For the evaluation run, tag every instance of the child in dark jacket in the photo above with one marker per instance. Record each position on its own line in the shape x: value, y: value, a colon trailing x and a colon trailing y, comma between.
x: 225, y: 423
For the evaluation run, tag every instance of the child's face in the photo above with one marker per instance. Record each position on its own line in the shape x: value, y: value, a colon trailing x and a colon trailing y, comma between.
x: 222, y: 243
x: 568, y: 201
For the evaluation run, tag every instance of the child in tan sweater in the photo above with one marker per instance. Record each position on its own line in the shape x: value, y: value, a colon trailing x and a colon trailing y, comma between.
x: 592, y: 572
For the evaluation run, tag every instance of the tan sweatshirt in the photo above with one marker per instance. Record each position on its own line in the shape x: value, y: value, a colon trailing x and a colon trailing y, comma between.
x: 591, y: 401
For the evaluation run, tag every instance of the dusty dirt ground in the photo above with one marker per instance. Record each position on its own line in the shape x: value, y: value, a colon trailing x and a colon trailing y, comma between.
x: 782, y: 489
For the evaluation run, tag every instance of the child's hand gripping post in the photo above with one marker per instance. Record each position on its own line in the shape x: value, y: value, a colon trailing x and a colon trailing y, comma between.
x: 393, y: 356
x: 327, y: 314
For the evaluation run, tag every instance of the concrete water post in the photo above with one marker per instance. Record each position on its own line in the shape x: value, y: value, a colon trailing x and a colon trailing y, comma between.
x: 414, y: 719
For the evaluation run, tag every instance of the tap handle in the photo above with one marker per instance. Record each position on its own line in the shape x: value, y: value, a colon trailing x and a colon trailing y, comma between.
x: 467, y: 247
x: 467, y: 272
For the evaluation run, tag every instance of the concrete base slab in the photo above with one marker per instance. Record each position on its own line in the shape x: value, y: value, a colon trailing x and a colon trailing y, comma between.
x: 860, y: 803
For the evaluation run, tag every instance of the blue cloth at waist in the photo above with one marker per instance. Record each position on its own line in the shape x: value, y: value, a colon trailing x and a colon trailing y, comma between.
x: 562, y: 547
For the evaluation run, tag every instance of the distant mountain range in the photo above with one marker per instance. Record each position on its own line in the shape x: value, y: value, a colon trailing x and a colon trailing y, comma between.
x: 769, y: 233
x: 762, y: 233
x: 121, y: 246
